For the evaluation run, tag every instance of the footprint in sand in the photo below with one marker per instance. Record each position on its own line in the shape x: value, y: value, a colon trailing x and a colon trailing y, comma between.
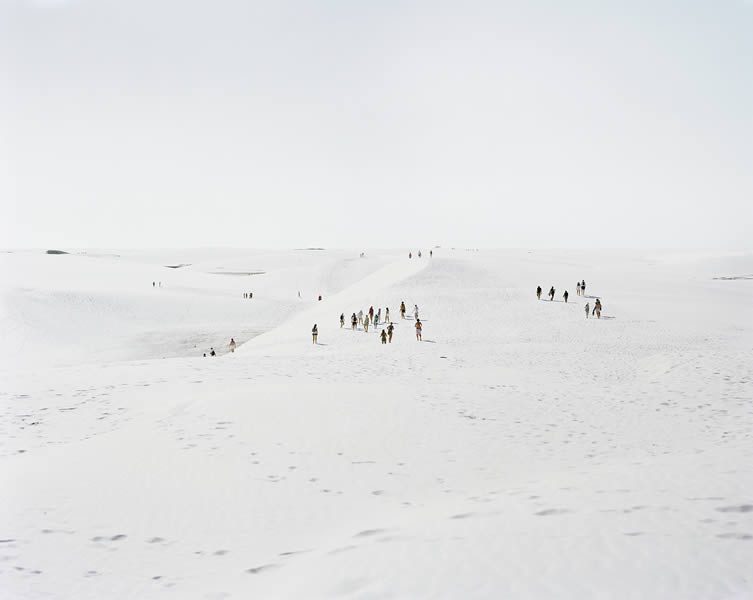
x: 742, y: 508
x: 735, y: 536
x: 256, y: 570
x: 370, y: 532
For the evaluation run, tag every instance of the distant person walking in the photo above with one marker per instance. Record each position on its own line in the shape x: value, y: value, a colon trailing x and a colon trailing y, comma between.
x: 583, y: 287
x: 371, y: 313
x: 212, y: 352
x: 383, y: 335
x: 342, y: 320
x: 565, y: 296
x: 419, y: 254
x: 314, y: 334
x: 577, y: 289
x: 551, y: 293
x: 597, y: 308
x: 366, y: 324
x: 390, y: 329
x: 402, y: 310
x: 431, y: 253
x: 232, y: 345
x: 415, y: 311
x: 410, y: 255
x: 419, y: 330
x: 353, y: 321
x: 360, y: 317
x: 154, y: 283
x: 387, y: 315
x: 538, y: 293
x: 588, y: 310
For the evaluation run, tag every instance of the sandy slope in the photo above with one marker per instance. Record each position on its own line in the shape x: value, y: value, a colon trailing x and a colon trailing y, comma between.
x: 521, y: 451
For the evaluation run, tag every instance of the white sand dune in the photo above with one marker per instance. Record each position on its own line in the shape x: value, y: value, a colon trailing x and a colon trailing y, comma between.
x: 521, y: 451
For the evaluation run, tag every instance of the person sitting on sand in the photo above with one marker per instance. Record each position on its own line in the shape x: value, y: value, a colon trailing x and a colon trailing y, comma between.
x: 419, y: 328
x: 212, y: 352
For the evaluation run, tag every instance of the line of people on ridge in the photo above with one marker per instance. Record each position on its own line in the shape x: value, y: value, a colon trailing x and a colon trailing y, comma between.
x: 410, y: 254
x: 581, y: 290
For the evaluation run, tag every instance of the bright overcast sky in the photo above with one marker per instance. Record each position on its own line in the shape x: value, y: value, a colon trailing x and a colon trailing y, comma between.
x: 152, y: 123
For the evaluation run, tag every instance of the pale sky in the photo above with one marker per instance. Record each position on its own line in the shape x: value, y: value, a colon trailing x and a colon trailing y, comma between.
x: 346, y: 123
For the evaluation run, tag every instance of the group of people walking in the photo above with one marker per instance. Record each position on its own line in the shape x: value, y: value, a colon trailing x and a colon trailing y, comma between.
x: 248, y: 295
x: 419, y: 255
x: 375, y: 318
x: 581, y: 291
